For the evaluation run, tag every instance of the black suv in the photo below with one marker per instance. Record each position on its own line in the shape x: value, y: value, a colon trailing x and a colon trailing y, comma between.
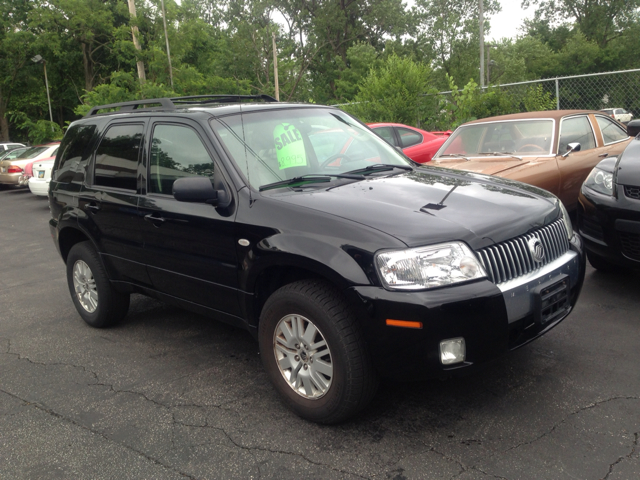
x: 345, y: 259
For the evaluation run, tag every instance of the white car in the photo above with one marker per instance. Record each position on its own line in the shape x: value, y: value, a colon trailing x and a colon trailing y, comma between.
x: 41, y: 171
x: 619, y: 114
x: 12, y: 170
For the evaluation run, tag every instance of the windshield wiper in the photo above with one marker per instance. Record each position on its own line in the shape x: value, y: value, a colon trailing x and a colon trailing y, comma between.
x: 309, y: 178
x: 379, y: 167
x: 501, y: 154
x: 457, y: 155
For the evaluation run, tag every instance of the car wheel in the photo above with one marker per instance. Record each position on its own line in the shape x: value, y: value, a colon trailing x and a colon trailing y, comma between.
x: 600, y: 263
x: 314, y: 352
x: 97, y: 302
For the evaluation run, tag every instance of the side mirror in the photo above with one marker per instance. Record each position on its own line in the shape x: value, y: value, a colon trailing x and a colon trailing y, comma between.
x: 633, y: 128
x: 572, y: 147
x: 199, y: 190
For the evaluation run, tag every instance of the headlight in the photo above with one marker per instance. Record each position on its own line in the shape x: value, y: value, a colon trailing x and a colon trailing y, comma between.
x: 428, y: 267
x: 566, y: 219
x: 600, y: 181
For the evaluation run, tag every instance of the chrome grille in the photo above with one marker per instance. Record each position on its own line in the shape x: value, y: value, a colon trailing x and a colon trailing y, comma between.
x: 632, y: 192
x: 513, y: 258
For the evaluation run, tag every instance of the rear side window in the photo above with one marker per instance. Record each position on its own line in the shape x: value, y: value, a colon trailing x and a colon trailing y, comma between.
x: 409, y: 137
x: 176, y: 152
x: 387, y: 134
x: 116, y: 162
x: 611, y: 131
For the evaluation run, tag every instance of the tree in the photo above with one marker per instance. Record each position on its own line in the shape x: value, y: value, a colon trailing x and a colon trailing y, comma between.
x: 395, y: 92
x: 600, y: 21
x: 16, y: 41
x: 449, y: 29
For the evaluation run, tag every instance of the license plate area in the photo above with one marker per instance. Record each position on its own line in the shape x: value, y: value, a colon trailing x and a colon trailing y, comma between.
x: 551, y: 299
x: 40, y: 173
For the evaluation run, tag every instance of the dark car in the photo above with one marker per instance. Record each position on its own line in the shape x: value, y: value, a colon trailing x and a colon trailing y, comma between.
x: 609, y: 209
x: 344, y: 266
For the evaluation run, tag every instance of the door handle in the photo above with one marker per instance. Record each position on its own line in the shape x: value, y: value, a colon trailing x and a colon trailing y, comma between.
x: 603, y: 155
x: 156, y: 221
x: 94, y: 207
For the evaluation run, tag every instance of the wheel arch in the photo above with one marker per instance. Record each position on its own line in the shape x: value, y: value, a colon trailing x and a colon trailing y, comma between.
x: 277, y: 275
x: 68, y: 237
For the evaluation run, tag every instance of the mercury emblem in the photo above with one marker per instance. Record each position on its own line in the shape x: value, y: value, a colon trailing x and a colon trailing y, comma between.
x: 536, y: 249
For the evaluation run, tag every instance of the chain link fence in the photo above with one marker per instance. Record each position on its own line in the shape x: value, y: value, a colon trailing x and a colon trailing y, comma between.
x: 593, y: 92
x: 580, y: 92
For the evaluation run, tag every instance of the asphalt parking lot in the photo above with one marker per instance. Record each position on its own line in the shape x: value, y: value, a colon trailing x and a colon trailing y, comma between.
x: 168, y: 394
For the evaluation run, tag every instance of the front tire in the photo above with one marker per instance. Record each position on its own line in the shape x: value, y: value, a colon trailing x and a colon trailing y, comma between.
x: 600, y: 263
x: 314, y: 353
x: 97, y: 302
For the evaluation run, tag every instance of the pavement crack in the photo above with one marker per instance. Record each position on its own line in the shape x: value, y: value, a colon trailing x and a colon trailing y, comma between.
x: 59, y: 416
x: 251, y: 450
x: 634, y: 447
x: 44, y: 364
x: 572, y: 414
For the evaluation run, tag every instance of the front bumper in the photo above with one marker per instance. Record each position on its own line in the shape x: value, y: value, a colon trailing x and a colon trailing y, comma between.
x: 610, y: 226
x: 493, y: 319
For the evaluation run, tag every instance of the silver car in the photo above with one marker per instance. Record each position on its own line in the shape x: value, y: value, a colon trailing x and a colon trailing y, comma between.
x: 12, y: 169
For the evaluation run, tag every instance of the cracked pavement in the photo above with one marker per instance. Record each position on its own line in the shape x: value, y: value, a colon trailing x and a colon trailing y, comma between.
x: 168, y: 394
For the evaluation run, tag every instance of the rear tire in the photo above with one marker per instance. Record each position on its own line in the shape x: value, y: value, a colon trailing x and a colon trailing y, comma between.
x: 97, y: 302
x: 314, y: 353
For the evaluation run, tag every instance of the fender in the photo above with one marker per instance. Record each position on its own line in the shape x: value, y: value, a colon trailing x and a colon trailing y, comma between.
x: 305, y: 252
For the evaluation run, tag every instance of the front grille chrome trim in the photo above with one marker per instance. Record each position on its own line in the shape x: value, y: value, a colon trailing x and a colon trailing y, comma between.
x: 512, y: 259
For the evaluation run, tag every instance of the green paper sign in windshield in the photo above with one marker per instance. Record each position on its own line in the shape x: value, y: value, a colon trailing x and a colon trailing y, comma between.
x: 289, y: 146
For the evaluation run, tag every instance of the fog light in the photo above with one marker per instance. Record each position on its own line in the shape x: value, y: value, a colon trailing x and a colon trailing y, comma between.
x: 452, y: 351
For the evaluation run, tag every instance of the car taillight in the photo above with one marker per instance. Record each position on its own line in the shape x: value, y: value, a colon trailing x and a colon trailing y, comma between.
x: 14, y: 169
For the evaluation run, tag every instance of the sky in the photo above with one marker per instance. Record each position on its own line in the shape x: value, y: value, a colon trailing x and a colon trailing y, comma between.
x: 507, y: 23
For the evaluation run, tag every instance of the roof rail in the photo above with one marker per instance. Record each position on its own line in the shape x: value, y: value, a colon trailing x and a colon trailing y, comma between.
x: 165, y: 103
x: 172, y: 103
x: 202, y: 99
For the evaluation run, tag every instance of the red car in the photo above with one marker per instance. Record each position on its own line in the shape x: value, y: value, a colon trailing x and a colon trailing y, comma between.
x: 418, y: 145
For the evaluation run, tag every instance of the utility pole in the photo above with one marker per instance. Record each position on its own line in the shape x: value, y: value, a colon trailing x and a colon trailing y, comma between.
x: 275, y: 66
x: 136, y: 43
x: 481, y: 15
x: 166, y: 37
x: 39, y: 59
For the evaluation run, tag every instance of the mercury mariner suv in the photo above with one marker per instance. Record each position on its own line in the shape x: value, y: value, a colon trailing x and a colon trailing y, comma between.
x: 343, y: 258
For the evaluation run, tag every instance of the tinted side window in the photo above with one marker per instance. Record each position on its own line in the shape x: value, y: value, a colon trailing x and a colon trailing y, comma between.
x: 387, y: 134
x: 576, y: 129
x: 611, y: 131
x: 409, y: 137
x: 176, y: 151
x: 117, y: 157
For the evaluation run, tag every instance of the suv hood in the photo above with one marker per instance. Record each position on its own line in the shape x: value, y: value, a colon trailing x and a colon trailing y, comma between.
x: 489, y: 165
x: 429, y: 206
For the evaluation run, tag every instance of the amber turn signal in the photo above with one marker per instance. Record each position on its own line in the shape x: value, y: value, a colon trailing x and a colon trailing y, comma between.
x: 403, y: 323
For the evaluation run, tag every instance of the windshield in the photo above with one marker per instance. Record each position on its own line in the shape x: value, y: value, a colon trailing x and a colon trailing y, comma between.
x: 524, y: 137
x: 283, y: 144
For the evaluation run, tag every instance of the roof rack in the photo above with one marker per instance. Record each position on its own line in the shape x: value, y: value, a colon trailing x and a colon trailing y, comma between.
x: 202, y: 99
x: 172, y: 103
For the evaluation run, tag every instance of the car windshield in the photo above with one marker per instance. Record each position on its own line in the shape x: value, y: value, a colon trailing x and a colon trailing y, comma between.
x: 283, y: 144
x: 520, y: 137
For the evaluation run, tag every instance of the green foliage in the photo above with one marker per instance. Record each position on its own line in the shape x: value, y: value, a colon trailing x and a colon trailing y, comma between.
x: 537, y: 99
x: 395, y: 92
x: 461, y: 107
x: 38, y: 132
